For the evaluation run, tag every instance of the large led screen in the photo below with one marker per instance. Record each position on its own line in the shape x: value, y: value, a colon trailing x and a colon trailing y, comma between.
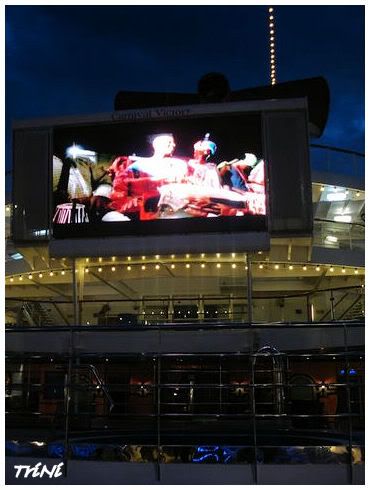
x: 200, y: 174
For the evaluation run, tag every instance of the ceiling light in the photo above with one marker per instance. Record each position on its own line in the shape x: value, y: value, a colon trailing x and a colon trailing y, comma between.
x: 304, y: 267
x: 30, y: 276
x: 276, y: 266
x: 343, y: 218
x: 218, y: 265
x: 290, y: 267
x: 187, y: 266
x: 157, y: 266
x: 260, y: 266
x: 63, y: 273
x: 129, y: 267
x: 233, y: 266
x: 331, y: 269
x: 100, y: 269
x: 172, y: 266
x: 343, y: 270
x: 143, y: 267
x: 40, y: 275
x: 331, y: 238
x: 202, y: 266
x: 317, y: 268
x: 336, y: 196
x: 113, y: 269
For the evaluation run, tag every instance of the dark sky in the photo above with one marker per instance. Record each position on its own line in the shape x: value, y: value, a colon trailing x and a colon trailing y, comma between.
x: 73, y: 60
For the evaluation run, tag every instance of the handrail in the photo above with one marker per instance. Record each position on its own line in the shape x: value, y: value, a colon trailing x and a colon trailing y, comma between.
x: 339, y: 150
x: 334, y: 305
x: 350, y: 307
x: 323, y: 220
x: 179, y: 298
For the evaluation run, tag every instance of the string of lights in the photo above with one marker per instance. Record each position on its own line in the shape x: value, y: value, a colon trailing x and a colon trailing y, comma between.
x: 149, y: 266
x: 271, y: 25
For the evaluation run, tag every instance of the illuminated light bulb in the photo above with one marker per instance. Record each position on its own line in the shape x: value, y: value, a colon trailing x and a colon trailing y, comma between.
x: 271, y: 9
x: 51, y: 273
x: 100, y: 269
x: 356, y: 271
x: 357, y: 194
x: 233, y: 266
x: 290, y: 267
x: 304, y: 267
x: 157, y: 266
x: 113, y: 268
x: 331, y: 269
x: 233, y: 255
x: 87, y: 259
x: 100, y: 259
x: 343, y: 270
x: 157, y: 257
x: 7, y: 208
x: 260, y: 266
x: 271, y: 24
x: 87, y: 270
x: 11, y: 279
x: 129, y: 267
x: 88, y: 323
x: 187, y: 266
x: 202, y: 266
x: 172, y: 256
x: 322, y: 188
x: 272, y: 38
x: 143, y: 267
x: 40, y: 275
x: 317, y: 268
x: 113, y: 258
x: 272, y: 45
x: 30, y: 276
x: 172, y: 266
x: 218, y: 255
x: 218, y: 265
x: 20, y: 278
x: 128, y: 258
x: 271, y: 17
x: 272, y: 32
x: 246, y: 267
x: 63, y: 273
x: 143, y: 257
x: 276, y: 266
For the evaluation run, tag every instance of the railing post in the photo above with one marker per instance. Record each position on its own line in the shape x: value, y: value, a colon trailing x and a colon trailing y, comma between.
x: 309, y: 312
x: 332, y: 306
x: 249, y: 279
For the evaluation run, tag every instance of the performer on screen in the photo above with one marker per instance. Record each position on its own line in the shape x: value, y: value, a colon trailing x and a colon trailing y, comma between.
x: 136, y: 180
x: 201, y: 170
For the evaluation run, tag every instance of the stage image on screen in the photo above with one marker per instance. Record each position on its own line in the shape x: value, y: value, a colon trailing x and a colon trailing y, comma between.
x: 136, y: 173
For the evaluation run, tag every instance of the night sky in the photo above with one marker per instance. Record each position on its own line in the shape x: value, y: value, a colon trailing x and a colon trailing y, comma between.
x: 73, y: 60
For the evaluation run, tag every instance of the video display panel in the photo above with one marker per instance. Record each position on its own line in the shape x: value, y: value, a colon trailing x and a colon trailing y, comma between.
x: 200, y: 174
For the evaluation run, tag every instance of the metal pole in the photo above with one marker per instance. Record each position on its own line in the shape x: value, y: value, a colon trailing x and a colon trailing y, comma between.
x: 249, y: 279
x: 75, y: 293
x: 309, y: 316
x: 68, y: 382
x: 332, y: 309
x: 158, y: 384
